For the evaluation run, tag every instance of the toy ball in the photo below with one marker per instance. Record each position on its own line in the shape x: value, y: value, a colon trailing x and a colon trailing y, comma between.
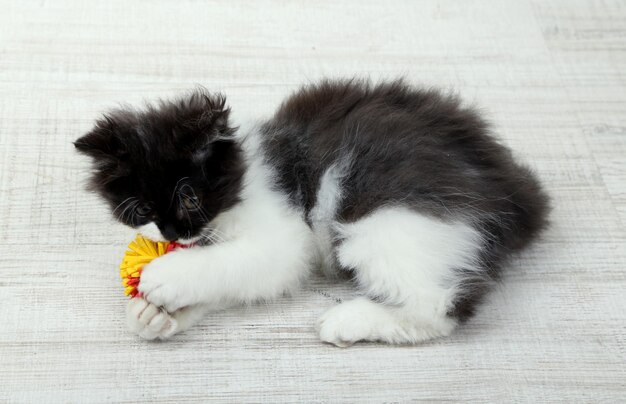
x: 141, y: 251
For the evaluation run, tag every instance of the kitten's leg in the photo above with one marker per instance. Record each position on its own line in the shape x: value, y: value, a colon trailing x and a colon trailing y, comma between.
x: 151, y: 322
x: 408, y: 263
x: 261, y: 264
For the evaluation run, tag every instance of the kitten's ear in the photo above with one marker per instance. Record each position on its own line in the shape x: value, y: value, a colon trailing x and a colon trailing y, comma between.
x: 105, y: 140
x: 204, y: 119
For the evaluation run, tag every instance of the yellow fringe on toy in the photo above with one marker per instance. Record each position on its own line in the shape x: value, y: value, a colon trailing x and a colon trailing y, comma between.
x: 140, y: 252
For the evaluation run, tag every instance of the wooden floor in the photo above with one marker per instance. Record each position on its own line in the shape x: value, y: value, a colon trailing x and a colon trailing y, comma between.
x: 550, y: 75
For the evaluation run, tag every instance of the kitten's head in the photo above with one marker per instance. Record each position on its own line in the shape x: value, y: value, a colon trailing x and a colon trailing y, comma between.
x: 169, y: 169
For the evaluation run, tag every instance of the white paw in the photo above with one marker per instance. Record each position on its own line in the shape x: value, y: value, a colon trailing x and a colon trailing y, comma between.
x: 163, y: 283
x: 148, y: 321
x: 347, y: 323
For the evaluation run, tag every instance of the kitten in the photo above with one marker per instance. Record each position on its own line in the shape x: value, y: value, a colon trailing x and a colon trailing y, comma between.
x: 402, y: 188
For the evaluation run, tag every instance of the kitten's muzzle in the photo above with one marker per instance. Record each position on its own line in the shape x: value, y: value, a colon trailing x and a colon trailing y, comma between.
x: 168, y: 231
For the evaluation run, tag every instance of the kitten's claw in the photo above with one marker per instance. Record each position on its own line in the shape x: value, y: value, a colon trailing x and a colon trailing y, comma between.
x: 148, y: 321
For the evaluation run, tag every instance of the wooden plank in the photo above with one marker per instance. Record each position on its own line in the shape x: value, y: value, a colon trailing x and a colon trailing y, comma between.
x: 549, y: 75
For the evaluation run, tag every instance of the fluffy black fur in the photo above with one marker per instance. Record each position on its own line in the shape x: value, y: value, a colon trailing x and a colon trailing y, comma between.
x: 416, y: 147
x: 175, y: 164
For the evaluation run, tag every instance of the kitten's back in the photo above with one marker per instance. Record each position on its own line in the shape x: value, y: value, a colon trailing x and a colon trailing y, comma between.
x: 418, y: 146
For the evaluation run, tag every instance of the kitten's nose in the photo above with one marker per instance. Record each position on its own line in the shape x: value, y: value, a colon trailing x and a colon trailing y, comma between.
x: 169, y: 232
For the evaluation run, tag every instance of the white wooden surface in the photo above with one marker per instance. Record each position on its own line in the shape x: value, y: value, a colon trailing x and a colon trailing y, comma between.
x: 550, y: 75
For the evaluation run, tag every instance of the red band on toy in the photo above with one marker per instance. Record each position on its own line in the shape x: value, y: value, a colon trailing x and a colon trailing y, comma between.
x: 173, y: 245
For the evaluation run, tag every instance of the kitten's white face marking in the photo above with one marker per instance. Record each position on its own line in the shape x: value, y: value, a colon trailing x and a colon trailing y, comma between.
x: 151, y: 231
x: 190, y: 240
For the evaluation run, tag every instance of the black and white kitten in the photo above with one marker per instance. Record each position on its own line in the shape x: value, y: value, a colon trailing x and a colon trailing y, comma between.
x: 402, y: 188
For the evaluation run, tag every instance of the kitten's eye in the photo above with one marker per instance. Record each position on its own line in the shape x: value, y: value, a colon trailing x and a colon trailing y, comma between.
x: 143, y: 210
x: 191, y: 202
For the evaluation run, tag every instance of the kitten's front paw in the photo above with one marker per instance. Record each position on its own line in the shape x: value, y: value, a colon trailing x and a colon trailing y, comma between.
x: 164, y: 285
x: 148, y: 321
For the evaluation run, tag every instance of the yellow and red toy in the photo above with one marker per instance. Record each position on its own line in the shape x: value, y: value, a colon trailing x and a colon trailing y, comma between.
x: 140, y: 252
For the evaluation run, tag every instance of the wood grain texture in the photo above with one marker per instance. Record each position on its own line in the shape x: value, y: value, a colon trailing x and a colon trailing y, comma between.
x: 551, y: 76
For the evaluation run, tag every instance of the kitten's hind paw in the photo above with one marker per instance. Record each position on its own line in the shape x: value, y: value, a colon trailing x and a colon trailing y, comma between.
x: 149, y: 321
x: 347, y: 323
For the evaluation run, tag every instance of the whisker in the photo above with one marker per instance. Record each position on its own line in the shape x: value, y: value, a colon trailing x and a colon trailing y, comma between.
x: 130, y: 208
x: 131, y: 204
x: 215, y: 236
x: 184, y: 209
x: 122, y: 203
